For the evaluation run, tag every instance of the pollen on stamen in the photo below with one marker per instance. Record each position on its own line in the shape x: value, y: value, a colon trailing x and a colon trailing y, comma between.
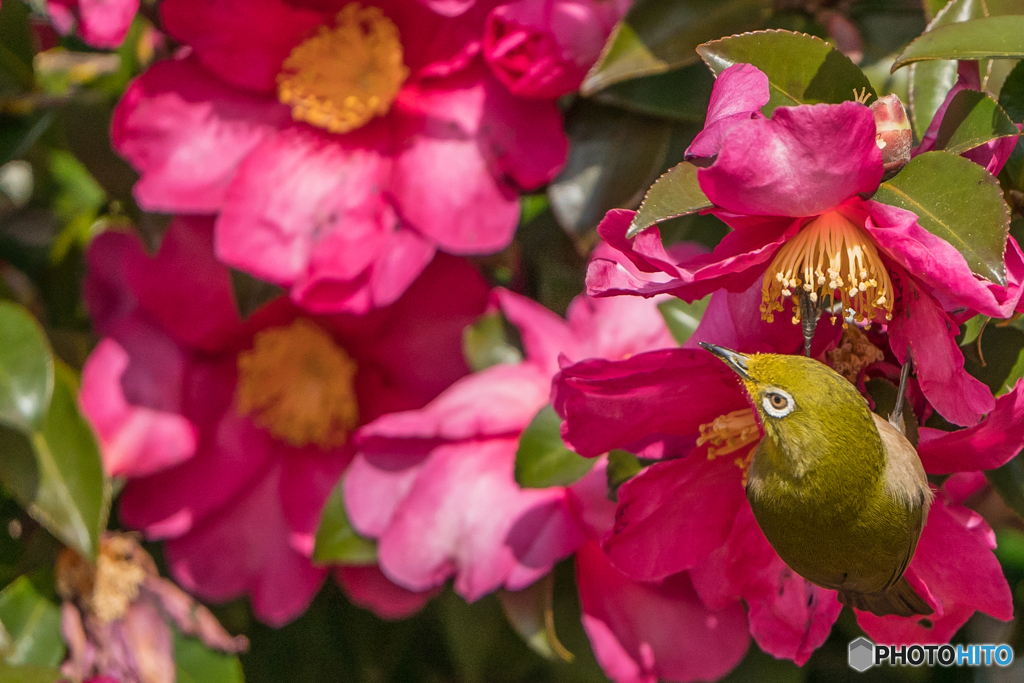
x: 841, y: 262
x: 729, y: 433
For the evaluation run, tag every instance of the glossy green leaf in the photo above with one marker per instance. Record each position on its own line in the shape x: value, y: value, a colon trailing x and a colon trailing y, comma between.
x: 972, y: 119
x: 992, y: 356
x: 930, y: 82
x: 543, y: 459
x: 530, y: 613
x: 33, y: 625
x: 933, y: 7
x: 993, y: 37
x: 29, y: 673
x: 1015, y: 374
x: 801, y: 69
x: 959, y: 201
x: 657, y: 36
x: 196, y: 663
x: 676, y: 193
x: 973, y: 329
x: 336, y: 541
x: 680, y: 94
x: 26, y: 369
x: 1011, y: 97
x: 614, y: 156
x: 622, y: 467
x: 682, y: 318
x: 485, y: 343
x: 56, y: 473
x: 251, y: 293
x: 1008, y: 481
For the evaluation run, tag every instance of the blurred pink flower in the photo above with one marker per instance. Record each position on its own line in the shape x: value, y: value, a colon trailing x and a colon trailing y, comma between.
x: 436, y: 488
x: 791, y: 187
x: 544, y: 48
x: 340, y: 146
x: 688, y: 512
x: 231, y: 433
x: 100, y: 23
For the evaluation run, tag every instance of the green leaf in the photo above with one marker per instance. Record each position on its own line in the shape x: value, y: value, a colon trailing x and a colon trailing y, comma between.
x: 530, y: 612
x: 930, y: 82
x: 1016, y: 372
x: 682, y: 318
x: 657, y: 36
x: 336, y: 541
x: 196, y: 663
x: 33, y: 624
x: 677, y: 193
x: 251, y: 293
x: 1008, y: 481
x: 543, y: 459
x: 973, y: 328
x: 959, y: 201
x: 485, y: 343
x: 972, y: 119
x: 614, y: 156
x: 681, y: 94
x: 993, y: 37
x: 29, y: 673
x: 1011, y: 97
x: 801, y: 69
x: 56, y: 473
x: 622, y: 467
x: 26, y: 369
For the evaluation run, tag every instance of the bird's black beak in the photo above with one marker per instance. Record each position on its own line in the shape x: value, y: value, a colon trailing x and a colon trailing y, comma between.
x: 734, y: 359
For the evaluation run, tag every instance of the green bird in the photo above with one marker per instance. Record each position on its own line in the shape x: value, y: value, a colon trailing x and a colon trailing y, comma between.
x: 838, y: 491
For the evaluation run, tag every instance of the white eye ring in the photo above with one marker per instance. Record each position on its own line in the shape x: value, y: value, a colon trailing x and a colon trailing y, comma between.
x: 777, y: 403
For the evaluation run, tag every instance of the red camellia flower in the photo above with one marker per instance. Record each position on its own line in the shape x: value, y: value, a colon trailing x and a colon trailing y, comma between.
x: 232, y: 432
x: 436, y: 488
x: 340, y: 143
x: 791, y: 187
x: 688, y: 512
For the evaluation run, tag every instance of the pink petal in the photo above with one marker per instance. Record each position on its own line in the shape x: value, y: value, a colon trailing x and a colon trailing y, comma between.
x: 134, y: 441
x: 367, y: 587
x: 186, y: 133
x: 590, y: 495
x: 246, y: 549
x: 444, y: 188
x: 674, y: 514
x: 465, y: 516
x: 376, y: 482
x: 994, y: 154
x: 920, y: 325
x: 643, y: 632
x: 105, y: 22
x: 804, y: 161
x: 932, y: 259
x: 545, y: 335
x: 987, y: 445
x: 616, y: 327
x: 449, y: 8
x: 955, y: 561
x: 499, y: 400
x: 612, y: 404
x: 301, y: 191
x: 244, y: 42
x: 738, y: 95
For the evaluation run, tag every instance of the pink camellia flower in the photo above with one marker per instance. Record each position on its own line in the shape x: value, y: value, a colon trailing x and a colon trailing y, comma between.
x: 689, y: 511
x: 544, y: 48
x: 791, y: 188
x: 436, y: 488
x: 340, y: 145
x: 100, y: 23
x: 232, y: 433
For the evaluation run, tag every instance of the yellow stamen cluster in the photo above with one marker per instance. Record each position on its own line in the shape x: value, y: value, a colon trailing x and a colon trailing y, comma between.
x: 729, y: 433
x: 829, y: 257
x: 299, y: 385
x: 854, y: 353
x: 344, y: 76
x: 108, y: 589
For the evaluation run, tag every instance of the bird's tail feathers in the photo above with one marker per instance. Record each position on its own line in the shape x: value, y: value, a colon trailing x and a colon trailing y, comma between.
x: 899, y: 599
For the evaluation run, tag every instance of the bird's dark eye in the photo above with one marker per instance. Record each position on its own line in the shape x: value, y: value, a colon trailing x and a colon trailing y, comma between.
x: 777, y: 403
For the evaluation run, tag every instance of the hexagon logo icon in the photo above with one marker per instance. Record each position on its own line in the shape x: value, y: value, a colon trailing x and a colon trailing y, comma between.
x: 862, y: 654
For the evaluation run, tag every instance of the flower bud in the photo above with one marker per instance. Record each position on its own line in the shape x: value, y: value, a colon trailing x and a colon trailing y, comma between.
x: 893, y: 133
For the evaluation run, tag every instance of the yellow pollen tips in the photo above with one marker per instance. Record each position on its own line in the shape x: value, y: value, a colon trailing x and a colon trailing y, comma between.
x: 729, y: 433
x: 109, y: 588
x: 298, y: 385
x: 829, y: 257
x: 344, y: 76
